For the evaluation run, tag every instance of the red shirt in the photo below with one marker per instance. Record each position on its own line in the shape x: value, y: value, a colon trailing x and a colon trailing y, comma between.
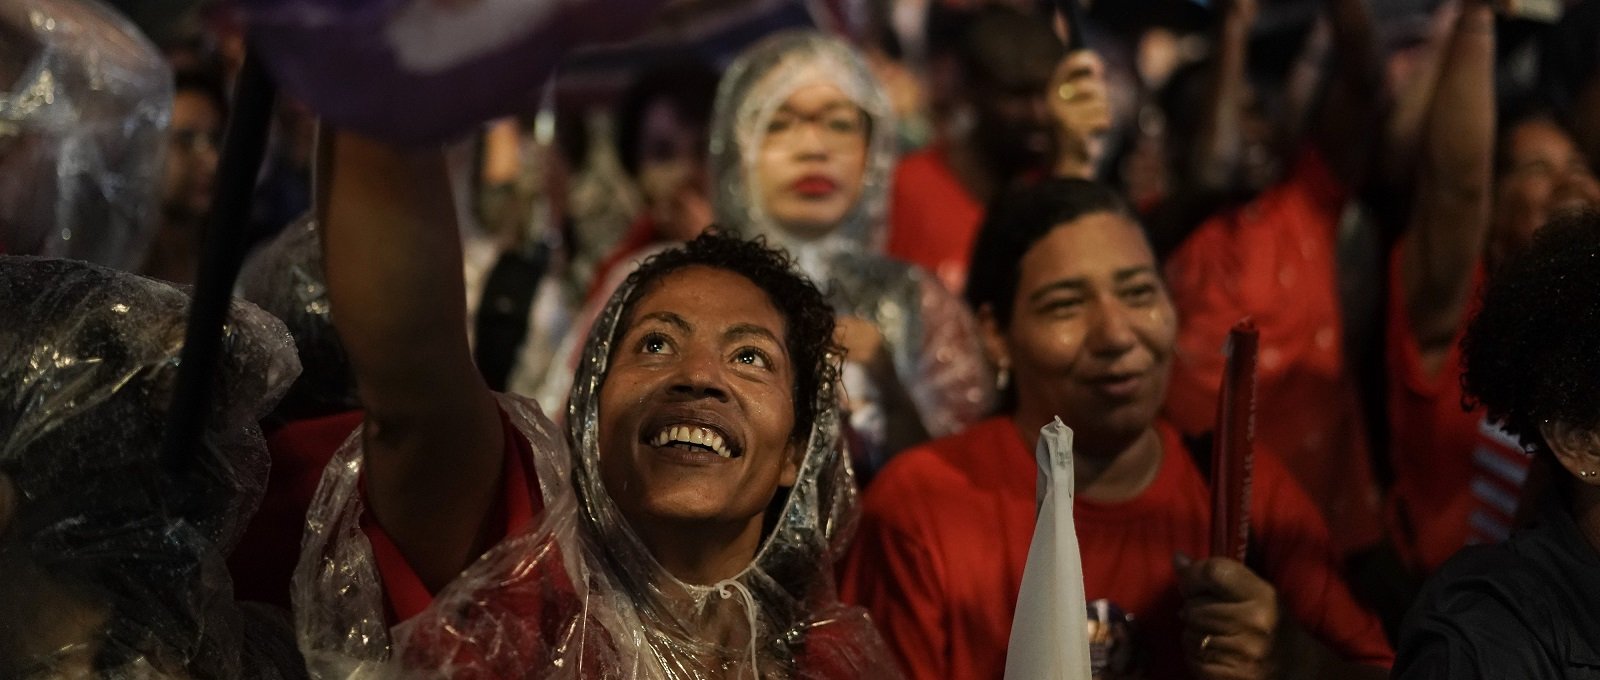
x: 945, y: 532
x: 933, y: 219
x: 266, y: 555
x: 1274, y: 260
x: 1457, y: 478
x: 515, y: 621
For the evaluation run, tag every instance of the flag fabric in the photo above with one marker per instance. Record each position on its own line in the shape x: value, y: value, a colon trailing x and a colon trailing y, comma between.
x: 1048, y: 630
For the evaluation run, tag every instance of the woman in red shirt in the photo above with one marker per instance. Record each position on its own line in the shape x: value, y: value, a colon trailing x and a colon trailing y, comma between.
x: 1075, y: 313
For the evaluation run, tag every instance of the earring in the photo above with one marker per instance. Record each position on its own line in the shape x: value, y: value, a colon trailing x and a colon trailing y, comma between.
x: 1002, y: 378
x: 1587, y: 473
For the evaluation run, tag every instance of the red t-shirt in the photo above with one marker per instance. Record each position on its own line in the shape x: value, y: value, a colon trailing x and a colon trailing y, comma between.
x: 933, y: 219
x: 1457, y: 478
x: 946, y: 527
x: 1274, y: 260
x: 529, y: 613
x: 265, y: 558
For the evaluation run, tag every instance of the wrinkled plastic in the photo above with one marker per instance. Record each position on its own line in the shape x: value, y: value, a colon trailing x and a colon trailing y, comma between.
x: 933, y: 339
x: 85, y: 101
x: 578, y: 595
x: 285, y: 277
x: 113, y: 562
x: 425, y: 71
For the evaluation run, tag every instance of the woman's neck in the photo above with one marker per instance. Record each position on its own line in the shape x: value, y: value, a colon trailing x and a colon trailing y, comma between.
x: 1109, y: 469
x: 698, y: 552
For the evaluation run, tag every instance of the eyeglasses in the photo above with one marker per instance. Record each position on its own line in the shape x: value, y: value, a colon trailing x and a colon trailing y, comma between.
x: 838, y: 127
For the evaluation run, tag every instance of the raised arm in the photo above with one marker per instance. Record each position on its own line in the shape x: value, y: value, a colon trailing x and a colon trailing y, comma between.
x: 1219, y: 141
x: 1450, y: 219
x: 1353, y: 104
x: 433, y: 436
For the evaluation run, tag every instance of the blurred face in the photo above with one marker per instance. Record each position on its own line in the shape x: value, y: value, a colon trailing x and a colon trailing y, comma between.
x: 813, y: 160
x: 191, y: 166
x: 1542, y: 173
x: 1092, y: 330
x: 670, y: 164
x: 696, y: 411
x: 1014, y: 124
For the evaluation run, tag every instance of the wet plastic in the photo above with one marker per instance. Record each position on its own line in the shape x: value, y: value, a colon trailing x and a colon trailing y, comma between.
x: 285, y: 277
x: 85, y: 101
x: 577, y: 594
x: 113, y: 561
x: 933, y: 339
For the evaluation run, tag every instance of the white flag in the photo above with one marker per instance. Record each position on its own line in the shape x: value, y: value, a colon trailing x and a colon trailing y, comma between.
x: 1049, y: 639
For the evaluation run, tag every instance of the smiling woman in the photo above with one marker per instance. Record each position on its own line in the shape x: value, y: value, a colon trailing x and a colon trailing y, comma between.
x: 683, y: 528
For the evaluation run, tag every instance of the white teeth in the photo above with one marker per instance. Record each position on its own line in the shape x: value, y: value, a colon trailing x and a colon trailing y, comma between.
x: 688, y: 434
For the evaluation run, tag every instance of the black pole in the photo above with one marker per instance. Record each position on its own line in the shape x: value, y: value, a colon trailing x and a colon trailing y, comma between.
x: 222, y: 252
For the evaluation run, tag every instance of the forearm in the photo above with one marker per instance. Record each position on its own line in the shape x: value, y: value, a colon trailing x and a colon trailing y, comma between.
x: 1403, y: 130
x: 1450, y: 219
x: 1354, y: 95
x: 1217, y: 147
x: 433, y: 436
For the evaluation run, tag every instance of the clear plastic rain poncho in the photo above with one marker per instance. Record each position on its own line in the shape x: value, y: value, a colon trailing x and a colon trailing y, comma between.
x: 285, y: 277
x: 112, y: 562
x: 85, y: 101
x: 932, y: 337
x: 577, y: 594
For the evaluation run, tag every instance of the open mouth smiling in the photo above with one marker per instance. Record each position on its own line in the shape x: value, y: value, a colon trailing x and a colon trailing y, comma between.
x: 693, y: 437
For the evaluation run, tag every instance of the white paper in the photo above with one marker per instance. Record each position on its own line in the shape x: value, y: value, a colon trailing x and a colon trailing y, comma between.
x: 1049, y: 637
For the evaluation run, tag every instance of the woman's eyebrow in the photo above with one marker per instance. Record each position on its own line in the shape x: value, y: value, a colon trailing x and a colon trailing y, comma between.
x: 827, y: 108
x: 746, y: 330
x: 670, y: 319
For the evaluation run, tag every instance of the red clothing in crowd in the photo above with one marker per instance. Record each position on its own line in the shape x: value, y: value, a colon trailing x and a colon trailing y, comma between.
x: 933, y: 219
x: 945, y: 531
x: 266, y: 555
x: 1457, y: 478
x: 301, y: 450
x: 1274, y: 260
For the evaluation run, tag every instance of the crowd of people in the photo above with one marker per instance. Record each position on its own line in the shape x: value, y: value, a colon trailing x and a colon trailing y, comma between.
x: 736, y: 370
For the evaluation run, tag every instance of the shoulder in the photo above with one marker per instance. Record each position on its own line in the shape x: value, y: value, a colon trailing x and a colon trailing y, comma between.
x: 1486, y: 613
x: 940, y: 469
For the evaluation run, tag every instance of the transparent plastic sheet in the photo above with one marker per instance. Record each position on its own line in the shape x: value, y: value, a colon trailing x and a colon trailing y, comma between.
x: 285, y: 277
x: 934, y: 340
x: 85, y: 101
x: 426, y: 71
x: 113, y: 562
x: 578, y: 595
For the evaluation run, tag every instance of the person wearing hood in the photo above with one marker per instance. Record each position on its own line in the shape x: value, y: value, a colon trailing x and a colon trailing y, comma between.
x: 683, y: 527
x: 802, y: 150
x: 112, y: 557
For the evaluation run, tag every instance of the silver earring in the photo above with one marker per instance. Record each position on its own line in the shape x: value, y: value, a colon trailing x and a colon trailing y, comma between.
x: 1587, y: 473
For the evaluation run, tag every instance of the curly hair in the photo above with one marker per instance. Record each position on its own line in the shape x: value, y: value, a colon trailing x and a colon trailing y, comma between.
x: 806, y: 313
x: 1532, y: 353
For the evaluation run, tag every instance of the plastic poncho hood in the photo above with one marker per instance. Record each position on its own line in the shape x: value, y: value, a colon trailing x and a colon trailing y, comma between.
x: 754, y: 87
x: 113, y: 561
x: 578, y: 595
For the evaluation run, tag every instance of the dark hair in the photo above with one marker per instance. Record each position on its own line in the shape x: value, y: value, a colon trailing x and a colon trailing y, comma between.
x: 687, y: 84
x: 1016, y: 221
x: 806, y: 313
x: 1532, y: 353
x: 205, y: 82
x: 1001, y: 43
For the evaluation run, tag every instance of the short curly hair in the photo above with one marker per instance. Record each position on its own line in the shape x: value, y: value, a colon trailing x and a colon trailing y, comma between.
x: 1532, y: 353
x: 806, y: 313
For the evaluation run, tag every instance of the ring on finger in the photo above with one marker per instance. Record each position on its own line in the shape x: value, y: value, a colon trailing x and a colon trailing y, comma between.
x: 1066, y: 92
x: 1205, y: 644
